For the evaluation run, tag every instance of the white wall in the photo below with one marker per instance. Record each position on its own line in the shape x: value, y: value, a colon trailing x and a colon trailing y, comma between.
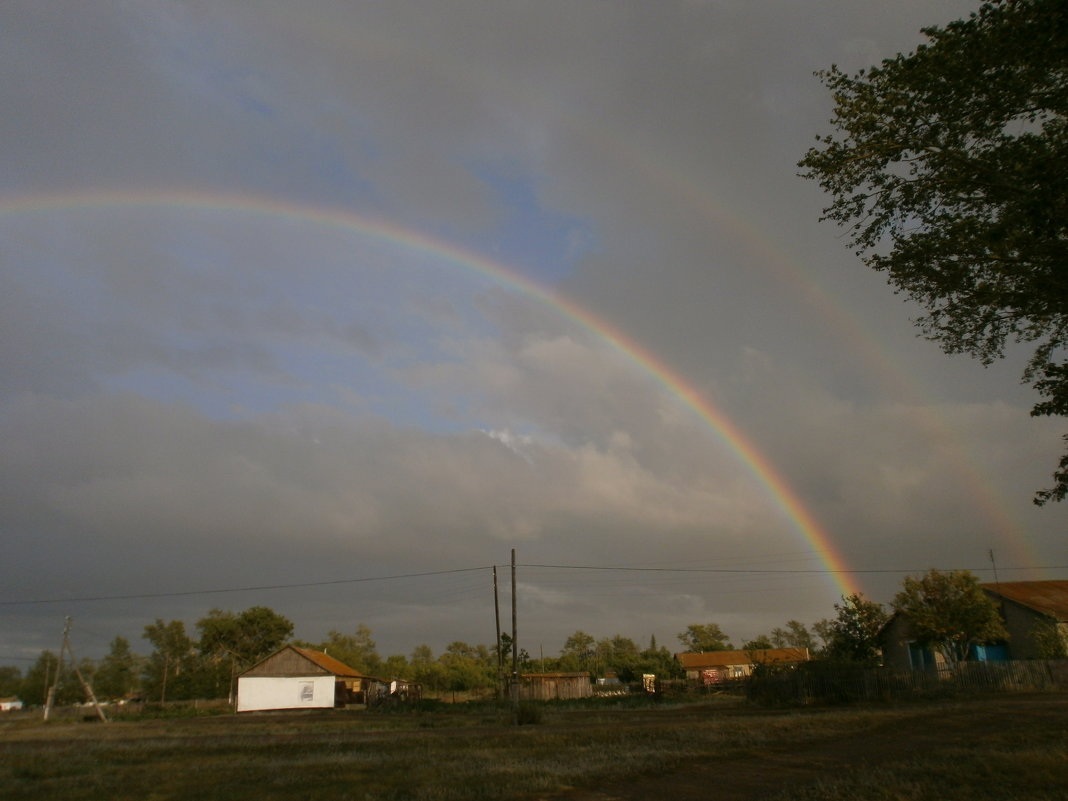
x: 298, y: 692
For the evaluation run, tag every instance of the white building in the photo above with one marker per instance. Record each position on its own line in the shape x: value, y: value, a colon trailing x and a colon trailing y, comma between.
x: 300, y: 678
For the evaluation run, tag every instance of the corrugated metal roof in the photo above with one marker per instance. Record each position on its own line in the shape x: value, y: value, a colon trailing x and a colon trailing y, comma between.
x: 1048, y: 597
x: 712, y: 659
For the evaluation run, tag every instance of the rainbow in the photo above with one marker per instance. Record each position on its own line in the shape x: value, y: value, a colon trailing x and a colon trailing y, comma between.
x: 332, y: 217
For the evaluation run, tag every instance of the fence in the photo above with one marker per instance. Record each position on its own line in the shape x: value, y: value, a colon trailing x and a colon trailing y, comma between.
x: 821, y: 682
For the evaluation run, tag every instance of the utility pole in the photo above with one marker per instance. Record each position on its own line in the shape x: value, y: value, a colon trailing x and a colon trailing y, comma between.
x: 995, y: 564
x: 66, y: 647
x: 59, y: 669
x: 515, y: 650
x: 497, y: 619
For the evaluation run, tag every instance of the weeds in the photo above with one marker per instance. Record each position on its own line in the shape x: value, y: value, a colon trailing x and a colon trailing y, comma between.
x: 472, y: 752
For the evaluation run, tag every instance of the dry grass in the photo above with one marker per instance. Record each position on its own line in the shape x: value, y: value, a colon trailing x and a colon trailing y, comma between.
x: 476, y: 754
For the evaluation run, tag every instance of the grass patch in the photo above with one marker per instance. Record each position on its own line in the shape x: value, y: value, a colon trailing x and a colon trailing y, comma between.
x: 458, y: 752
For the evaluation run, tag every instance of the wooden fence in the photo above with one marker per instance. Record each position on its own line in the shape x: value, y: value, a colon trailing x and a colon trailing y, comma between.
x: 817, y: 682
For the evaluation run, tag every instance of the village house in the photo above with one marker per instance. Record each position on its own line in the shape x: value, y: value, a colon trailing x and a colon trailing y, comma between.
x: 902, y: 649
x: 1034, y: 612
x: 713, y: 667
x: 300, y: 678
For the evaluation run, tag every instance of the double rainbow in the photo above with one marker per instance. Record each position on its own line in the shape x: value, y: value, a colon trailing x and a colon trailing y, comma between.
x: 331, y: 217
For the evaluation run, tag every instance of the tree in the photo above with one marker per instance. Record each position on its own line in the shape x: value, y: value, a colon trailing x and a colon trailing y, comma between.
x: 795, y: 635
x: 853, y: 635
x: 468, y: 667
x: 10, y: 681
x: 39, y: 678
x: 170, y: 670
x: 659, y: 661
x: 116, y: 676
x: 426, y: 670
x: 1050, y: 642
x: 701, y: 637
x: 761, y: 643
x: 949, y: 167
x: 232, y: 642
x: 578, y: 651
x: 950, y: 612
x: 357, y: 650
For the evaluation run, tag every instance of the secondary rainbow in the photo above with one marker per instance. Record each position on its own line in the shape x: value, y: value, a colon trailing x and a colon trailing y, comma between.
x: 333, y: 217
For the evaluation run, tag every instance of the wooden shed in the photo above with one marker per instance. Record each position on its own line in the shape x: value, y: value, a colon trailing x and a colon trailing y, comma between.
x: 300, y: 678
x: 554, y: 686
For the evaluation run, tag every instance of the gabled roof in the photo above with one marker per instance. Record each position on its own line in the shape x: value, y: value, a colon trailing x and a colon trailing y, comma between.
x: 330, y: 664
x: 322, y: 661
x: 713, y: 659
x: 1048, y: 597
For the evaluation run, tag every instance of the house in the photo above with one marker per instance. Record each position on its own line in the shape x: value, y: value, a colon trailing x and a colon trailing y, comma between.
x: 10, y: 704
x: 712, y: 667
x: 1028, y: 609
x: 554, y: 686
x: 300, y: 678
x: 1033, y: 612
x: 902, y: 649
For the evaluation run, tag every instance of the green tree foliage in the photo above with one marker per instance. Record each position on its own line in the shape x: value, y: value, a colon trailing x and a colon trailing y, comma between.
x: 950, y: 612
x: 395, y: 667
x: 761, y: 643
x: 10, y: 681
x: 701, y: 637
x: 117, y: 675
x: 39, y: 678
x: 853, y: 635
x: 524, y: 663
x: 823, y: 630
x: 659, y: 661
x: 578, y: 651
x: 232, y: 642
x: 1051, y: 641
x: 171, y: 670
x: 795, y: 635
x: 426, y: 670
x: 468, y: 667
x: 358, y: 651
x: 949, y: 167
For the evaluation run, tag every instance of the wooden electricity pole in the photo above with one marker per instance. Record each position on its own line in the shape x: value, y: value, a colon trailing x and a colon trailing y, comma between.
x: 515, y: 649
x: 497, y: 619
x: 66, y: 648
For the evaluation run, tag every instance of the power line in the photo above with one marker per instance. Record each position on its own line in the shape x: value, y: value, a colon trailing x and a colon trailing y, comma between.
x: 602, y: 568
x: 772, y: 570
x: 91, y: 599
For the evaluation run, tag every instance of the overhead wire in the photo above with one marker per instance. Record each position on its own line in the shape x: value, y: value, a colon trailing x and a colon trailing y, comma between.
x: 464, y: 590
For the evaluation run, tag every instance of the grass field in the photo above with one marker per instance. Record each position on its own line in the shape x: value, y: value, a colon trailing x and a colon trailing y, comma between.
x: 994, y: 748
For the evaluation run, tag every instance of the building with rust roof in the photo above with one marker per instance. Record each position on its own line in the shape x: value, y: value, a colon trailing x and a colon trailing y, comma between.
x: 300, y: 678
x: 1035, y: 614
x: 712, y: 667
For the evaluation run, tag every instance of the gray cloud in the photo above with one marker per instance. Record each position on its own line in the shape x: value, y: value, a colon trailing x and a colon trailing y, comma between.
x: 214, y: 397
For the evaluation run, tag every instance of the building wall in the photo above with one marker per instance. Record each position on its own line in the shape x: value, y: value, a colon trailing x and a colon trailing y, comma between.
x: 897, y: 638
x: 1020, y: 623
x: 552, y: 689
x: 290, y: 692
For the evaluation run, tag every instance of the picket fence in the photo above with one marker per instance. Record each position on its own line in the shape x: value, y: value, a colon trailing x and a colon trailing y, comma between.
x: 829, y: 683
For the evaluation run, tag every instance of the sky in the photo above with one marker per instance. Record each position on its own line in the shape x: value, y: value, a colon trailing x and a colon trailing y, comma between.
x: 331, y: 306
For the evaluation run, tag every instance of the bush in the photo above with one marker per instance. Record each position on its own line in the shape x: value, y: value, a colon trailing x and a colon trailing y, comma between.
x: 528, y: 713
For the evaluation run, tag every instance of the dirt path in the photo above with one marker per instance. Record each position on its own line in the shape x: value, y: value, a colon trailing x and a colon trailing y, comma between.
x: 751, y: 779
